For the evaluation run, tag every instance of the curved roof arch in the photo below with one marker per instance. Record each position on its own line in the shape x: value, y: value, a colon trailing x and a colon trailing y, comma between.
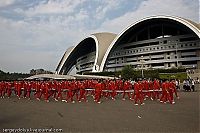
x: 194, y: 27
x: 64, y: 57
x: 101, y: 40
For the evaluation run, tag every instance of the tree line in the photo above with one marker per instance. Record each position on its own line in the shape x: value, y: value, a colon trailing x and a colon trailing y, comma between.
x: 13, y: 76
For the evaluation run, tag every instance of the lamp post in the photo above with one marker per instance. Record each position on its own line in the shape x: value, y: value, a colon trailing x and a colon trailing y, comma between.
x: 176, y: 55
x: 142, y: 65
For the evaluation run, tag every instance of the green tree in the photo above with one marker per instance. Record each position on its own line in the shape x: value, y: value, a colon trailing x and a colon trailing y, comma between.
x: 127, y: 72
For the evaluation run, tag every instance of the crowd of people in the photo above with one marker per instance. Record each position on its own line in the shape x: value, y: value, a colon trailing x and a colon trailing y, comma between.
x: 79, y: 90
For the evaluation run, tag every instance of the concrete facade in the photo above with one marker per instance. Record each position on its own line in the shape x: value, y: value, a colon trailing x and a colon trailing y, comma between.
x: 153, y: 42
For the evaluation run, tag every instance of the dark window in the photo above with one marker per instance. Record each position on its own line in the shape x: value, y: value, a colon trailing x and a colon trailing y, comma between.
x: 165, y: 41
x: 189, y: 62
x: 188, y: 39
x: 157, y: 64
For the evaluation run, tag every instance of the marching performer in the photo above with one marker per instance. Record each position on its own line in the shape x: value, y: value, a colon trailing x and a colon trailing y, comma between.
x: 138, y: 93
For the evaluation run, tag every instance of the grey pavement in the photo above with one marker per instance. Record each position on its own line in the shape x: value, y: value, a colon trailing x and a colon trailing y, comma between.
x: 110, y: 116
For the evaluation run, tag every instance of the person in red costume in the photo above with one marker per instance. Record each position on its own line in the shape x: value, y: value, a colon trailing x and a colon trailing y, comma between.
x: 113, y: 87
x: 70, y: 92
x: 151, y: 93
x: 38, y: 90
x: 59, y: 91
x: 1, y: 89
x: 42, y: 90
x: 19, y: 87
x: 156, y: 88
x: 98, y: 91
x: 47, y: 90
x: 24, y: 89
x: 9, y: 89
x: 172, y: 90
x: 146, y: 89
x: 127, y: 86
x: 29, y: 86
x: 138, y: 93
x: 82, y: 92
x: 165, y: 93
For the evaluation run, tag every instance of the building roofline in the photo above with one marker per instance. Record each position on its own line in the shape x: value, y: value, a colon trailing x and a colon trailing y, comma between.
x: 188, y: 23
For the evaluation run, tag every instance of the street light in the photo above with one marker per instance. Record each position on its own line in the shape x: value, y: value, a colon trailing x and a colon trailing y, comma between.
x: 142, y: 65
x: 176, y: 55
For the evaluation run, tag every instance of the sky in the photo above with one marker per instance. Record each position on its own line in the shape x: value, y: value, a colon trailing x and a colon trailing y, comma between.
x: 35, y: 33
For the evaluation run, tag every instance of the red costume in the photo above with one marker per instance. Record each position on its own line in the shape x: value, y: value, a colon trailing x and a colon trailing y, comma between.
x: 127, y: 86
x: 156, y: 87
x: 98, y: 90
x: 165, y: 93
x: 138, y: 93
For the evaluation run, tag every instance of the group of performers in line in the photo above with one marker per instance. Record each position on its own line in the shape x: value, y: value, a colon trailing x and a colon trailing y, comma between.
x: 68, y: 90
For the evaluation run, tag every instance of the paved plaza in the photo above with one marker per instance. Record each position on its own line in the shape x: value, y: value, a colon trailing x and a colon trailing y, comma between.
x: 110, y: 116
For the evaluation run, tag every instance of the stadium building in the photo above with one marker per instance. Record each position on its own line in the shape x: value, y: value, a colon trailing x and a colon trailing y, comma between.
x: 156, y: 42
x: 86, y: 56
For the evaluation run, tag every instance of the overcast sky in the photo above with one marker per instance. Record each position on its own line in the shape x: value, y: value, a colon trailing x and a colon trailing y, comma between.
x: 36, y: 33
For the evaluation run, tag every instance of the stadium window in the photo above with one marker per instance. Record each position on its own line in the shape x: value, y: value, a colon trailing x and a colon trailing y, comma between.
x: 190, y: 44
x: 181, y: 45
x: 186, y: 45
x: 165, y: 41
x: 195, y: 44
x: 173, y: 46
